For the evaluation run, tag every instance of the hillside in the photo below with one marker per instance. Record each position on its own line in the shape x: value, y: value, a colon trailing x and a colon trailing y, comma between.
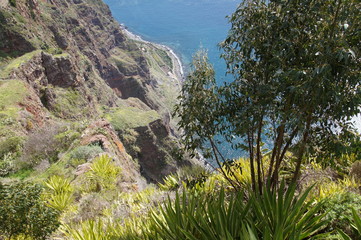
x: 74, y: 84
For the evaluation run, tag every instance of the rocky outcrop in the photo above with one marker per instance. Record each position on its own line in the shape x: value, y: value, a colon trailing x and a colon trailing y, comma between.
x: 77, y: 64
x: 101, y: 133
x: 157, y: 151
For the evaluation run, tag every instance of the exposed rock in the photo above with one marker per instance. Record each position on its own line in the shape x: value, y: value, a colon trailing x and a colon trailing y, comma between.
x: 102, y: 133
x: 60, y: 71
x: 60, y: 40
x: 83, y: 168
x: 156, y: 157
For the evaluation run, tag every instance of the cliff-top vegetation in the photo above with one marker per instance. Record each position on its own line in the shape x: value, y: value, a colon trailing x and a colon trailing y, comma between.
x: 100, y: 169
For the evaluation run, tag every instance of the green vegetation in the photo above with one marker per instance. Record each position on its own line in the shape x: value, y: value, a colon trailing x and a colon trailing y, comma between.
x: 70, y: 103
x: 59, y: 193
x: 10, y: 145
x: 24, y: 214
x: 15, y: 63
x: 130, y: 117
x: 12, y: 3
x: 103, y: 174
x: 124, y: 63
x: 269, y: 216
x: 12, y: 92
x: 45, y: 144
x: 170, y: 183
x: 338, y: 209
x: 356, y: 225
x: 10, y: 150
x: 296, y: 69
x: 82, y: 154
x: 165, y: 59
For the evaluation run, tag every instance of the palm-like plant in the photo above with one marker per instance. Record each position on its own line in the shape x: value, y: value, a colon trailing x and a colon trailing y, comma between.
x: 283, y: 215
x: 59, y: 192
x: 274, y: 215
x: 89, y: 230
x: 103, y: 173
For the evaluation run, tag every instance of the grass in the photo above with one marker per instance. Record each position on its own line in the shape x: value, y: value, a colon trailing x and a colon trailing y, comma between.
x: 11, y: 93
x: 15, y: 63
x: 70, y: 102
x: 129, y: 117
x: 22, y: 174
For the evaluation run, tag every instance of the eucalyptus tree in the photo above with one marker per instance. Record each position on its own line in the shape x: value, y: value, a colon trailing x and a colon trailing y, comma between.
x: 296, y: 70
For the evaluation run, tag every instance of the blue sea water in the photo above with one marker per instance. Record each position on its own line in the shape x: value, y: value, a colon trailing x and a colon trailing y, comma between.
x: 184, y: 25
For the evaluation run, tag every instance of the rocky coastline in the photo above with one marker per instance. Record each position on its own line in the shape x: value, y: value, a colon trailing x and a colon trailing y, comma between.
x: 178, y: 67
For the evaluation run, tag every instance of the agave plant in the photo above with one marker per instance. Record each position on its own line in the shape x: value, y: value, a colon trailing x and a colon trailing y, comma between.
x: 88, y: 230
x: 274, y: 215
x: 59, y: 194
x: 103, y: 173
x: 58, y: 184
x: 60, y: 201
x: 283, y: 215
x: 170, y: 183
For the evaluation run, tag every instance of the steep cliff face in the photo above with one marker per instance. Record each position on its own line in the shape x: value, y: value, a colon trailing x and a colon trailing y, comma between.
x: 66, y: 65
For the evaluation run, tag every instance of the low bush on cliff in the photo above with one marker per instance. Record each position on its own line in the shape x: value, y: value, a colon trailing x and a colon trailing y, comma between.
x: 45, y: 144
x: 83, y: 154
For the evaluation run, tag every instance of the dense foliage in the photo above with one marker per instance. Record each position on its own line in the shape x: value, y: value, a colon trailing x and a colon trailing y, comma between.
x: 279, y: 215
x: 23, y: 213
x: 296, y: 69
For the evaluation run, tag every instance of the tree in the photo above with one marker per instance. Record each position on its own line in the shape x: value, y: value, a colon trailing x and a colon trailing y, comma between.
x: 23, y: 213
x: 296, y: 69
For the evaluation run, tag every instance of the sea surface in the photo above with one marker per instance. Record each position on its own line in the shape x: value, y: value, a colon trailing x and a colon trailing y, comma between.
x: 186, y: 26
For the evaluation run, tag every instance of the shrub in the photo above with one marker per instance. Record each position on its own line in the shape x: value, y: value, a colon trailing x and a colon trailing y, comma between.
x: 10, y: 145
x: 47, y: 143
x: 86, y: 152
x: 23, y: 213
x: 103, y: 174
x: 338, y: 209
x: 6, y: 164
x: 129, y: 138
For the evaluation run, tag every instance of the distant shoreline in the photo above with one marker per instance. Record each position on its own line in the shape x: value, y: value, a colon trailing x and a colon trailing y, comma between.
x: 178, y: 69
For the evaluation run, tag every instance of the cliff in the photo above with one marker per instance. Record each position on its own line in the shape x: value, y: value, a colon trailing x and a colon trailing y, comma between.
x: 72, y: 81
